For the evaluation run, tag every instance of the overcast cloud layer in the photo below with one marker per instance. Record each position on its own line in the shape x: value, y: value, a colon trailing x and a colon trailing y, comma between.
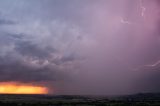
x: 81, y: 46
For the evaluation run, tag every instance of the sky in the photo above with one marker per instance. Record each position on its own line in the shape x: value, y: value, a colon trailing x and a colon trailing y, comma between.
x: 81, y: 47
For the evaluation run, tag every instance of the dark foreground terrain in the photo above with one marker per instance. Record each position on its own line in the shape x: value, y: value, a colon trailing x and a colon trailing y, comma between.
x: 149, y: 99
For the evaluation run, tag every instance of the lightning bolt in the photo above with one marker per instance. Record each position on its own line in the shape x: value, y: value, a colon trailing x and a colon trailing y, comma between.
x: 143, y: 9
x: 148, y: 67
x: 155, y: 64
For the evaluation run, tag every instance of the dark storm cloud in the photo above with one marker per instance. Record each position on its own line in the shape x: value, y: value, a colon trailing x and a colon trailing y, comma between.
x: 24, y: 73
x: 79, y: 46
x: 69, y: 57
x: 6, y: 22
x: 28, y: 61
x: 23, y: 60
x: 33, y: 50
x: 21, y: 68
x: 40, y: 46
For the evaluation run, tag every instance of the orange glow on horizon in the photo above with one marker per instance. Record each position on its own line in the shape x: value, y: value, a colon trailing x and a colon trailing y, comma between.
x: 20, y: 88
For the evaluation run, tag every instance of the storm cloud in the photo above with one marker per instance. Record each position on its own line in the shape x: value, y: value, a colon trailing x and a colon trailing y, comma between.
x: 81, y: 46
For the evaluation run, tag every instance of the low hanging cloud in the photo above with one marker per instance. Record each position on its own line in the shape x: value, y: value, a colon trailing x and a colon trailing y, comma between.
x: 29, y: 56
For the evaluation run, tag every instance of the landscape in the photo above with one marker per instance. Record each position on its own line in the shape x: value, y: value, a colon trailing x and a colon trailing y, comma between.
x: 79, y: 52
x: 141, y: 99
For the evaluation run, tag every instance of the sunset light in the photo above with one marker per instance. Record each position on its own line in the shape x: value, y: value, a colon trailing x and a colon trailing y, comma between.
x: 16, y: 88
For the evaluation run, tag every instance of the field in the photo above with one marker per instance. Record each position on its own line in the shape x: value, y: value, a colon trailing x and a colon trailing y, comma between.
x: 148, y: 99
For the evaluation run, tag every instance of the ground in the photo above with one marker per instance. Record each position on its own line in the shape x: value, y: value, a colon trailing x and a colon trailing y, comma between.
x: 149, y: 99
